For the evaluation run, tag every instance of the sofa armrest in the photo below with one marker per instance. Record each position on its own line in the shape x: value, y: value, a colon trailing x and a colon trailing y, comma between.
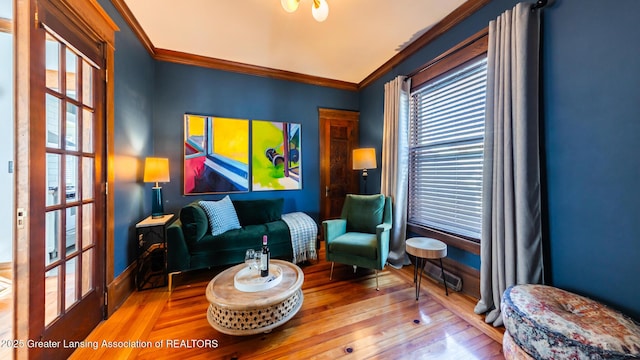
x: 333, y: 228
x: 178, y: 257
x: 383, y: 232
x: 382, y: 228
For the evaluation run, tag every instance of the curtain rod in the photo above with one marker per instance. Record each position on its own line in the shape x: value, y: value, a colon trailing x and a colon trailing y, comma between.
x: 539, y: 5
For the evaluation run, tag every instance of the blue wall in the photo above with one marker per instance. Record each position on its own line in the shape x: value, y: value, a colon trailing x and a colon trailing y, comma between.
x: 133, y: 124
x: 591, y: 103
x: 184, y: 89
x: 590, y: 140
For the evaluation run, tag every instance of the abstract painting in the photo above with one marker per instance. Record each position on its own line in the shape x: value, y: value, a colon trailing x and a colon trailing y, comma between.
x: 275, y: 156
x: 216, y: 154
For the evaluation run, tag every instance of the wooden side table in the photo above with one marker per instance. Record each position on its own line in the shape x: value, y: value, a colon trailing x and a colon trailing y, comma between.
x: 426, y: 248
x: 152, y: 252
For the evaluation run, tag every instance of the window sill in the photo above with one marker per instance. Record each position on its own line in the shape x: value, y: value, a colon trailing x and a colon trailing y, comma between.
x: 455, y: 241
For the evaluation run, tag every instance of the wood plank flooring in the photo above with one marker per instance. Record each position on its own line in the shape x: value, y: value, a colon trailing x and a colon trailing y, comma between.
x: 6, y: 309
x: 344, y: 317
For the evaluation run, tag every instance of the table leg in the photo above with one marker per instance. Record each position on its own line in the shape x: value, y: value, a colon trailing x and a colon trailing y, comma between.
x: 421, y: 262
x: 446, y: 291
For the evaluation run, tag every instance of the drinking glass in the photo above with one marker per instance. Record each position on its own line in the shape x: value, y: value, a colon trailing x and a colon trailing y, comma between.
x: 257, y: 257
x: 249, y: 258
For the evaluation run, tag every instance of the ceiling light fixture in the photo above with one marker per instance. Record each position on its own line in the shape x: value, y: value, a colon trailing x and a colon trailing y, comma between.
x: 319, y: 9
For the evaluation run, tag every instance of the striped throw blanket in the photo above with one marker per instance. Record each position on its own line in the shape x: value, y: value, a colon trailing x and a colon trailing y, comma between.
x: 304, y: 231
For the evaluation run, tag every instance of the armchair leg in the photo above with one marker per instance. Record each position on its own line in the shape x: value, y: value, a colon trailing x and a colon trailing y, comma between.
x: 377, y: 287
x: 331, y: 273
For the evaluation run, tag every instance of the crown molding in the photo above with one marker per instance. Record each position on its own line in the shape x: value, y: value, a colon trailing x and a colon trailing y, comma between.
x: 219, y: 64
x: 226, y: 65
x: 451, y: 20
x: 457, y: 16
x: 133, y: 23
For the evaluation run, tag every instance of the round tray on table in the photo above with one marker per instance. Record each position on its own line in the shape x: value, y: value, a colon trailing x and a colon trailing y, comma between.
x: 249, y: 279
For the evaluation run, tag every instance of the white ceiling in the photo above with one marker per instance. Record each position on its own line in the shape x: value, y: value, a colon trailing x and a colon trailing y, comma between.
x: 358, y: 36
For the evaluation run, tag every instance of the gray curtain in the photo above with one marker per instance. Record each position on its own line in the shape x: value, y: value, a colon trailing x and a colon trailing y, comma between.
x: 395, y: 162
x: 511, y: 243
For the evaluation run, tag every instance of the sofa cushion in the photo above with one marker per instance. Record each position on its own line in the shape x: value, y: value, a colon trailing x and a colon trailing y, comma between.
x: 363, y: 212
x: 229, y: 248
x: 256, y: 212
x: 356, y: 244
x: 222, y: 215
x: 194, y: 222
x: 247, y: 237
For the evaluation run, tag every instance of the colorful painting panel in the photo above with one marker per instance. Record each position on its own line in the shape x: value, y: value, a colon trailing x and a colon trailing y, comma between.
x: 276, y: 156
x: 216, y: 155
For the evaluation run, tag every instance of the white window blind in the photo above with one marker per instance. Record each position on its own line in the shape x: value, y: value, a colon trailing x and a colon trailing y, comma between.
x: 446, y: 143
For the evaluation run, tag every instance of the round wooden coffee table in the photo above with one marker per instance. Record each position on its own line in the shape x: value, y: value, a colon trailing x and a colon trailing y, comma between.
x: 236, y: 312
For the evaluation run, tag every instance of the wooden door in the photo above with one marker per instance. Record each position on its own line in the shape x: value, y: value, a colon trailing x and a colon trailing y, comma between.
x: 67, y: 173
x: 338, y: 138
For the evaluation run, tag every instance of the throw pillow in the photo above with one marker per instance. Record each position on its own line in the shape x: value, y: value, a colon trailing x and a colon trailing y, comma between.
x: 222, y: 215
x: 195, y: 222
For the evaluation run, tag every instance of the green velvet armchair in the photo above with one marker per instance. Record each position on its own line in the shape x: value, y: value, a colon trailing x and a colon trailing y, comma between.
x: 361, y: 236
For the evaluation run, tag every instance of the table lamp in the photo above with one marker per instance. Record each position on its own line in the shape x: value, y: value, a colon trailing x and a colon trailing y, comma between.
x: 156, y: 170
x: 364, y: 159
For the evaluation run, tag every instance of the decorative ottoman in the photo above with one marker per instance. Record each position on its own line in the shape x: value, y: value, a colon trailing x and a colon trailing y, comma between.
x: 543, y: 322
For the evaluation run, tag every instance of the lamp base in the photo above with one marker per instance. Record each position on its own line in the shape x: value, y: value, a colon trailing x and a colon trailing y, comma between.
x: 157, y: 209
x: 364, y: 178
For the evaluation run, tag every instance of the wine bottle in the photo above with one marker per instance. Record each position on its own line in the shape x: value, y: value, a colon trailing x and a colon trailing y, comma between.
x: 264, y: 260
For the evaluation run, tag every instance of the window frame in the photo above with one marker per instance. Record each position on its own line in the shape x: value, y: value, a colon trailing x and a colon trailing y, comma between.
x: 469, y: 49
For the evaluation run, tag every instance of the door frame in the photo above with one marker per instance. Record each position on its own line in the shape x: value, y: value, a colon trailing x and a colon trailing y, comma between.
x: 94, y: 21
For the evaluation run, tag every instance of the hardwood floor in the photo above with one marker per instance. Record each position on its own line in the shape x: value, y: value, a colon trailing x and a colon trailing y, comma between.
x: 6, y: 309
x: 339, y: 318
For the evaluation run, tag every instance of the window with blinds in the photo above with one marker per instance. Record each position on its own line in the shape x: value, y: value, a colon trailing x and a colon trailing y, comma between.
x: 446, y: 141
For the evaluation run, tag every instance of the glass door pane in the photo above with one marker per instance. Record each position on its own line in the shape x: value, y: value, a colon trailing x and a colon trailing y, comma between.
x: 51, y: 296
x: 52, y: 49
x: 70, y: 178
x: 71, y: 291
x: 71, y: 71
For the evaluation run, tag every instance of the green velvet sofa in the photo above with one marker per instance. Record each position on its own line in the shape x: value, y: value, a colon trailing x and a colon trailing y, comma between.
x: 191, y: 245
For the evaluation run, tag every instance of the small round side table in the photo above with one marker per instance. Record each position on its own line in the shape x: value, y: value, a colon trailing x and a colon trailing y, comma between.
x: 424, y: 248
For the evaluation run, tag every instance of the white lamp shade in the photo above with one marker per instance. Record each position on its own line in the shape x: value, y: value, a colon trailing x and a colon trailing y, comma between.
x: 290, y: 5
x: 320, y: 12
x: 364, y: 158
x: 156, y: 169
